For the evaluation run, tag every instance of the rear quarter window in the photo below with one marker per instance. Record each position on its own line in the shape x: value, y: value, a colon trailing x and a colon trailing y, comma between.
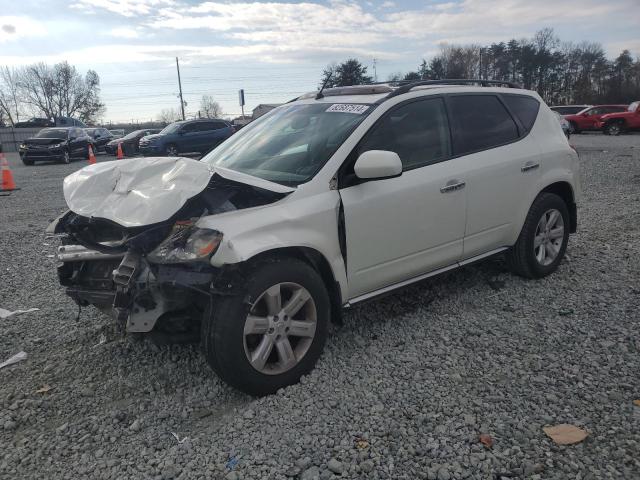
x: 480, y: 122
x: 525, y: 108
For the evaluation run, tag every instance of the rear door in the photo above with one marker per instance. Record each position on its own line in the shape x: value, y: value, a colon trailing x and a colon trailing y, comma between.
x: 502, y: 162
x: 398, y: 228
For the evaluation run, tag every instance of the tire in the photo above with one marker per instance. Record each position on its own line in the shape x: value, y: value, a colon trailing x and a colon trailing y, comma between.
x: 614, y: 128
x: 66, y: 157
x: 171, y: 150
x: 573, y: 128
x: 27, y: 161
x: 228, y: 349
x: 524, y: 258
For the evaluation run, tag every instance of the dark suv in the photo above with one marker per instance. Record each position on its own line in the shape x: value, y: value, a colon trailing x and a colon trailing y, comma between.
x: 56, y: 144
x: 188, y: 136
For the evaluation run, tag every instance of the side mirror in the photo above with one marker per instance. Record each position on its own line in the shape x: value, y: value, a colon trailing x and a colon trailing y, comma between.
x: 378, y: 164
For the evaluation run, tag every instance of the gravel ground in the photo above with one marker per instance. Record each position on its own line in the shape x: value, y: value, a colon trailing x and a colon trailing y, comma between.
x: 403, y: 390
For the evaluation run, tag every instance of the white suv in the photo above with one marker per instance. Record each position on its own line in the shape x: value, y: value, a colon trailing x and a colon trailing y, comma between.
x: 326, y: 201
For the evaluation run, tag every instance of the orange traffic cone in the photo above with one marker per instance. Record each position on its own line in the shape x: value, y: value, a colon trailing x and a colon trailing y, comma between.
x: 120, y: 155
x: 92, y: 157
x: 7, y: 177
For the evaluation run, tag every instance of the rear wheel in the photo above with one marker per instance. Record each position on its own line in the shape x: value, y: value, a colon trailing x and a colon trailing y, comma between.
x: 614, y: 128
x: 273, y: 333
x: 543, y: 239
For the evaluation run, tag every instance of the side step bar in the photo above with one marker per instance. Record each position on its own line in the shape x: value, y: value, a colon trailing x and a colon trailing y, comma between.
x: 404, y: 283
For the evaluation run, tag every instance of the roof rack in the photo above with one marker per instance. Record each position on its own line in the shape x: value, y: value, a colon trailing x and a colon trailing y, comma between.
x: 406, y: 87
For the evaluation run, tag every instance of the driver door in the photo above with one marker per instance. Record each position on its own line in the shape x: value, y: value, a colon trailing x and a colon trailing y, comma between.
x: 402, y: 227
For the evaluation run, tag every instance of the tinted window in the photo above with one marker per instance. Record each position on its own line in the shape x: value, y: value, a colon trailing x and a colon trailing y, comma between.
x: 525, y: 108
x: 207, y: 126
x: 418, y: 132
x: 480, y: 122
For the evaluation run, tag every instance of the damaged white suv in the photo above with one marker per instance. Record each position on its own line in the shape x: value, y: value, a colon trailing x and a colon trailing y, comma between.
x: 328, y: 200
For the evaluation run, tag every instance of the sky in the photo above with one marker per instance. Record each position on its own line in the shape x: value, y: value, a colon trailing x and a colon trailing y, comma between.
x: 275, y: 50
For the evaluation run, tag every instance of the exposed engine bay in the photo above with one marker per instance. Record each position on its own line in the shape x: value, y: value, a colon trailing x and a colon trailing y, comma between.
x: 143, y: 274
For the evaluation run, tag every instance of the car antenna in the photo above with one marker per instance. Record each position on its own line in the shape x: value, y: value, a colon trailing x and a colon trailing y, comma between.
x: 320, y: 95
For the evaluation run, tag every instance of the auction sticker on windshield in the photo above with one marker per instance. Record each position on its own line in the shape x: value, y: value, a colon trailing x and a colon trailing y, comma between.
x: 348, y: 108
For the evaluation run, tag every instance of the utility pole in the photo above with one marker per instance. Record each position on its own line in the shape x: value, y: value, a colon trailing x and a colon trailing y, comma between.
x: 375, y: 72
x: 180, y: 87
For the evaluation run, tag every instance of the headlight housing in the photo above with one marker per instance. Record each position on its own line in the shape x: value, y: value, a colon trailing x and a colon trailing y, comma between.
x: 55, y: 145
x: 187, y: 243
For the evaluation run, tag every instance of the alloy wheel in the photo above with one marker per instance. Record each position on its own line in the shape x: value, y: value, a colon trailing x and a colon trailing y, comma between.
x: 280, y: 328
x: 172, y: 151
x: 549, y: 237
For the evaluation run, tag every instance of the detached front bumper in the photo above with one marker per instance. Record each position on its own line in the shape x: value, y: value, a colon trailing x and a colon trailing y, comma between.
x: 127, y: 286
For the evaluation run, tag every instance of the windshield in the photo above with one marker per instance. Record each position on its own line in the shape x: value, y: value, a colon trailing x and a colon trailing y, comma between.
x: 51, y: 133
x: 134, y: 134
x: 633, y: 107
x: 290, y: 144
x: 171, y: 128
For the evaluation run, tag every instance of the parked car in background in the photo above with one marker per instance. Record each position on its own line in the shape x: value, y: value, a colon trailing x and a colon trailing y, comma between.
x: 35, y: 122
x: 60, y: 144
x: 101, y: 136
x: 325, y: 202
x: 568, y: 109
x: 69, y: 122
x: 130, y: 143
x: 589, y: 118
x: 617, y: 123
x: 187, y: 136
x: 564, y: 124
x: 117, y: 132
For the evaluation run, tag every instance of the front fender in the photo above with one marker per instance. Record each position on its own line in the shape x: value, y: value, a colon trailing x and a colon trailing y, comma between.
x: 310, y: 222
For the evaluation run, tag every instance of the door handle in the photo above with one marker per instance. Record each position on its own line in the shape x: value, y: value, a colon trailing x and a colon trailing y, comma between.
x: 452, y: 185
x: 529, y: 166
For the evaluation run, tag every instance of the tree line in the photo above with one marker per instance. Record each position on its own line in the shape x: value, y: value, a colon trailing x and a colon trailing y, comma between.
x: 49, y: 91
x: 561, y: 72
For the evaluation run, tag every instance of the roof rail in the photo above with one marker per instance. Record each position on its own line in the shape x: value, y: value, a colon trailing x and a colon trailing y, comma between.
x: 406, y: 87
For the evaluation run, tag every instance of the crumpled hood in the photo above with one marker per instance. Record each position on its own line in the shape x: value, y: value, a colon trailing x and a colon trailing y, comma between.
x: 144, y: 191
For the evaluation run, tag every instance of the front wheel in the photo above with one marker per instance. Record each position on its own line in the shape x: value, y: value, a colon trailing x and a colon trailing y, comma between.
x: 171, y: 150
x: 573, y: 128
x: 543, y: 239
x: 271, y: 334
x: 66, y: 158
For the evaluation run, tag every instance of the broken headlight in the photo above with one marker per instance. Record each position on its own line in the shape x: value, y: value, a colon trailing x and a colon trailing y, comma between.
x: 186, y: 243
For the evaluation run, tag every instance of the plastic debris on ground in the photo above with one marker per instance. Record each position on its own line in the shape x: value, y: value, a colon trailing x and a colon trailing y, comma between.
x: 18, y: 357
x: 8, y: 313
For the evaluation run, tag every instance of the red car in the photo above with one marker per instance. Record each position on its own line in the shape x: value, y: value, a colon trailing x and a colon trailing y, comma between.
x: 616, y: 123
x: 589, y: 118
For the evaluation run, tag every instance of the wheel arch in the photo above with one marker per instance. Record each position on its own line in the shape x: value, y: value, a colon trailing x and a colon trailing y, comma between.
x: 565, y: 191
x: 315, y: 260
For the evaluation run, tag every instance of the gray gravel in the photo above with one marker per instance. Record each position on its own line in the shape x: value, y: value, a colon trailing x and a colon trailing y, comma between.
x: 403, y: 390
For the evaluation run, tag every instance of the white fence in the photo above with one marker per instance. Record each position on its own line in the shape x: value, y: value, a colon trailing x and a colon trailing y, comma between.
x: 10, y: 137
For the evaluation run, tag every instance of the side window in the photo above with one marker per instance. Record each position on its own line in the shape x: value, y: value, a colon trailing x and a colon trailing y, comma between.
x: 525, y: 108
x: 189, y: 128
x: 208, y: 126
x: 418, y: 132
x: 480, y: 122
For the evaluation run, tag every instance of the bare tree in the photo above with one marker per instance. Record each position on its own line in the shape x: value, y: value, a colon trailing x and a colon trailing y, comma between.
x: 209, y: 107
x: 169, y: 115
x: 60, y: 91
x: 10, y: 100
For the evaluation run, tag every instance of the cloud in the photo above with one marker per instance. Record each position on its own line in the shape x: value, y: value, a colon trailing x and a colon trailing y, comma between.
x: 14, y: 27
x: 124, y: 32
x: 126, y: 8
